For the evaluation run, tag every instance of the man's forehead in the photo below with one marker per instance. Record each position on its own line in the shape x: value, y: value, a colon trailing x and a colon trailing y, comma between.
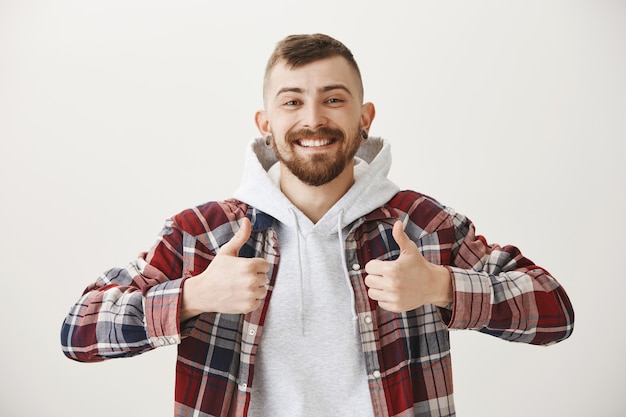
x: 318, y: 74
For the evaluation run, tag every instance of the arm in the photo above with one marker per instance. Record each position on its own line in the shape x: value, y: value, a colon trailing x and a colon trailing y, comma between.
x: 128, y: 311
x: 500, y: 292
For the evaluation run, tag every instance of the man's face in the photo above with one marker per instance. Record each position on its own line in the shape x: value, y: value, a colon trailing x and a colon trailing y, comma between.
x: 314, y: 114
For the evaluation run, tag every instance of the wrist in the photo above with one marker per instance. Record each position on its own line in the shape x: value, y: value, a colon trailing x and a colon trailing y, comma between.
x: 445, y: 294
x: 187, y: 309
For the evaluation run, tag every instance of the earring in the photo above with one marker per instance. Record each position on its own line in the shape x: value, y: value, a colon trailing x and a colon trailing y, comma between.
x: 364, y: 134
x: 268, y: 140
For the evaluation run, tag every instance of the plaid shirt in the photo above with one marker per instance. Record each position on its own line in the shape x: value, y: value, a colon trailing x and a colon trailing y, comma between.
x: 496, y: 291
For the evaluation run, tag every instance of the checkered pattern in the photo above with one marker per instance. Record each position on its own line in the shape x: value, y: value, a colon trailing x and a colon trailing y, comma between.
x: 496, y: 291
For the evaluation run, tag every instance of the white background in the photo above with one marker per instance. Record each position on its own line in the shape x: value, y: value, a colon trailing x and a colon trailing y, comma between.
x: 117, y: 114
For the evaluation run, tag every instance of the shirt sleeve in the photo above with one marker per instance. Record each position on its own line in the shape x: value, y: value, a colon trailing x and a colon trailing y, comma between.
x: 500, y: 292
x: 130, y: 310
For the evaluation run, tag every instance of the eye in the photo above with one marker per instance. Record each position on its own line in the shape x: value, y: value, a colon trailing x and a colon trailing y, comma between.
x: 292, y: 103
x: 335, y: 101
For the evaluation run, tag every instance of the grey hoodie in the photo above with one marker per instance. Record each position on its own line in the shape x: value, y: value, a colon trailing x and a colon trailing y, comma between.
x: 309, y: 361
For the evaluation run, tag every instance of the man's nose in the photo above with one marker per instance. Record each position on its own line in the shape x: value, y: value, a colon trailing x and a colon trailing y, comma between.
x: 314, y: 116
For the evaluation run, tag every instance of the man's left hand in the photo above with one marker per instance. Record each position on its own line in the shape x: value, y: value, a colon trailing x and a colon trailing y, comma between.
x: 409, y: 281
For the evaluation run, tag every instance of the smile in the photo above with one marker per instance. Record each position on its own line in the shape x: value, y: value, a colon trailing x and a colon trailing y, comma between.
x: 311, y: 143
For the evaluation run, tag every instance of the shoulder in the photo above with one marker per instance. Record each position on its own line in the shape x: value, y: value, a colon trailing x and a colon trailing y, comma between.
x: 408, y: 201
x: 423, y: 211
x: 210, y: 216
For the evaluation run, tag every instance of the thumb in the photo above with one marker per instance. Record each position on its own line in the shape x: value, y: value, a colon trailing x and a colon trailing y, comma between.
x: 233, y: 246
x: 401, y: 238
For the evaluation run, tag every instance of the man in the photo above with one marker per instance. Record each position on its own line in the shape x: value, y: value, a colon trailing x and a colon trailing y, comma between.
x: 320, y: 289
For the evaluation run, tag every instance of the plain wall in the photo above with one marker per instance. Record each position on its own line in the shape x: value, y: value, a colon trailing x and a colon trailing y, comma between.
x: 116, y: 115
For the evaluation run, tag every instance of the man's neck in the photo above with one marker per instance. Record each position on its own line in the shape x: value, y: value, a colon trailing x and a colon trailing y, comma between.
x: 315, y: 201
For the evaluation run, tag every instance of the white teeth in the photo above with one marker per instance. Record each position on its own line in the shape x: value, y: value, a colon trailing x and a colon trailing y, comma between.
x: 314, y: 142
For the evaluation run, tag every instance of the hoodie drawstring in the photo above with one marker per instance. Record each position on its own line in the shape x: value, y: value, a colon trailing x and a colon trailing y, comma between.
x: 344, y: 262
x: 301, y: 313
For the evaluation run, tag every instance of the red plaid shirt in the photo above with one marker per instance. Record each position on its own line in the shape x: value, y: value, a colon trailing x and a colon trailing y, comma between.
x: 497, y: 291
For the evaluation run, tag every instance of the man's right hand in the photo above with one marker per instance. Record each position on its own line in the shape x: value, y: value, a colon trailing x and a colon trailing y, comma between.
x: 230, y: 284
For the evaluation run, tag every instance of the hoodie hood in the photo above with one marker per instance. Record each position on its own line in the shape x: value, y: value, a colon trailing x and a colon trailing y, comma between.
x: 260, y: 186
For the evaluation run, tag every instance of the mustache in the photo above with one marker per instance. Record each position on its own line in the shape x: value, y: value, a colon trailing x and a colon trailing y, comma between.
x: 322, y: 132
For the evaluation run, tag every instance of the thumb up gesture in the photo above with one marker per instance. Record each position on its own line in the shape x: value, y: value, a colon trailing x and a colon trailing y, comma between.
x: 409, y: 281
x: 230, y: 284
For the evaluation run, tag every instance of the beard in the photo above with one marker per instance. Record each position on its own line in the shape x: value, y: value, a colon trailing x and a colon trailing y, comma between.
x: 318, y: 169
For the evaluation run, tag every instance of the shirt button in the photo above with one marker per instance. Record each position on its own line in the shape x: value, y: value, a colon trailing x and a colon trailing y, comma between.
x: 376, y: 374
x: 242, y: 387
x: 356, y: 267
x: 367, y: 319
x: 251, y: 332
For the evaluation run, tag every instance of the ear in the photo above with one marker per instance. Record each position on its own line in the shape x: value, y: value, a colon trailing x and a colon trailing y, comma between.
x: 368, y: 112
x: 262, y: 123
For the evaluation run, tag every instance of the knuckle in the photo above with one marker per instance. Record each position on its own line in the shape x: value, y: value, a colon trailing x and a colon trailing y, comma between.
x: 394, y: 285
x: 247, y: 267
x: 394, y: 269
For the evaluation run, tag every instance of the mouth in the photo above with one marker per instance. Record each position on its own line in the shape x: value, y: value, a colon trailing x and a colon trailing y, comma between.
x: 315, y: 142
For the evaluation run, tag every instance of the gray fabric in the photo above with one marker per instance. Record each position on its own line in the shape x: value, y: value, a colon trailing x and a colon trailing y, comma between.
x: 309, y: 361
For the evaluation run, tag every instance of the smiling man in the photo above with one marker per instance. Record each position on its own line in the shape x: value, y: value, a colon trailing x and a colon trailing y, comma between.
x: 320, y: 289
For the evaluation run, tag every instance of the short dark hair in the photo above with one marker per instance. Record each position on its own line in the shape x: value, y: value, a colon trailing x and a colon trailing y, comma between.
x: 300, y: 50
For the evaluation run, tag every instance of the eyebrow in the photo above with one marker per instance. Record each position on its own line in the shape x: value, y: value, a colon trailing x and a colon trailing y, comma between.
x: 324, y: 89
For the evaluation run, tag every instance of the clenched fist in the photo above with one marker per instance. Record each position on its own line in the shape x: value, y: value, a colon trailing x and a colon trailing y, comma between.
x: 230, y: 284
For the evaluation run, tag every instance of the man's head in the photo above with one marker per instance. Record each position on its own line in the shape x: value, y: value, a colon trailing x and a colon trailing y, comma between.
x: 314, y: 110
